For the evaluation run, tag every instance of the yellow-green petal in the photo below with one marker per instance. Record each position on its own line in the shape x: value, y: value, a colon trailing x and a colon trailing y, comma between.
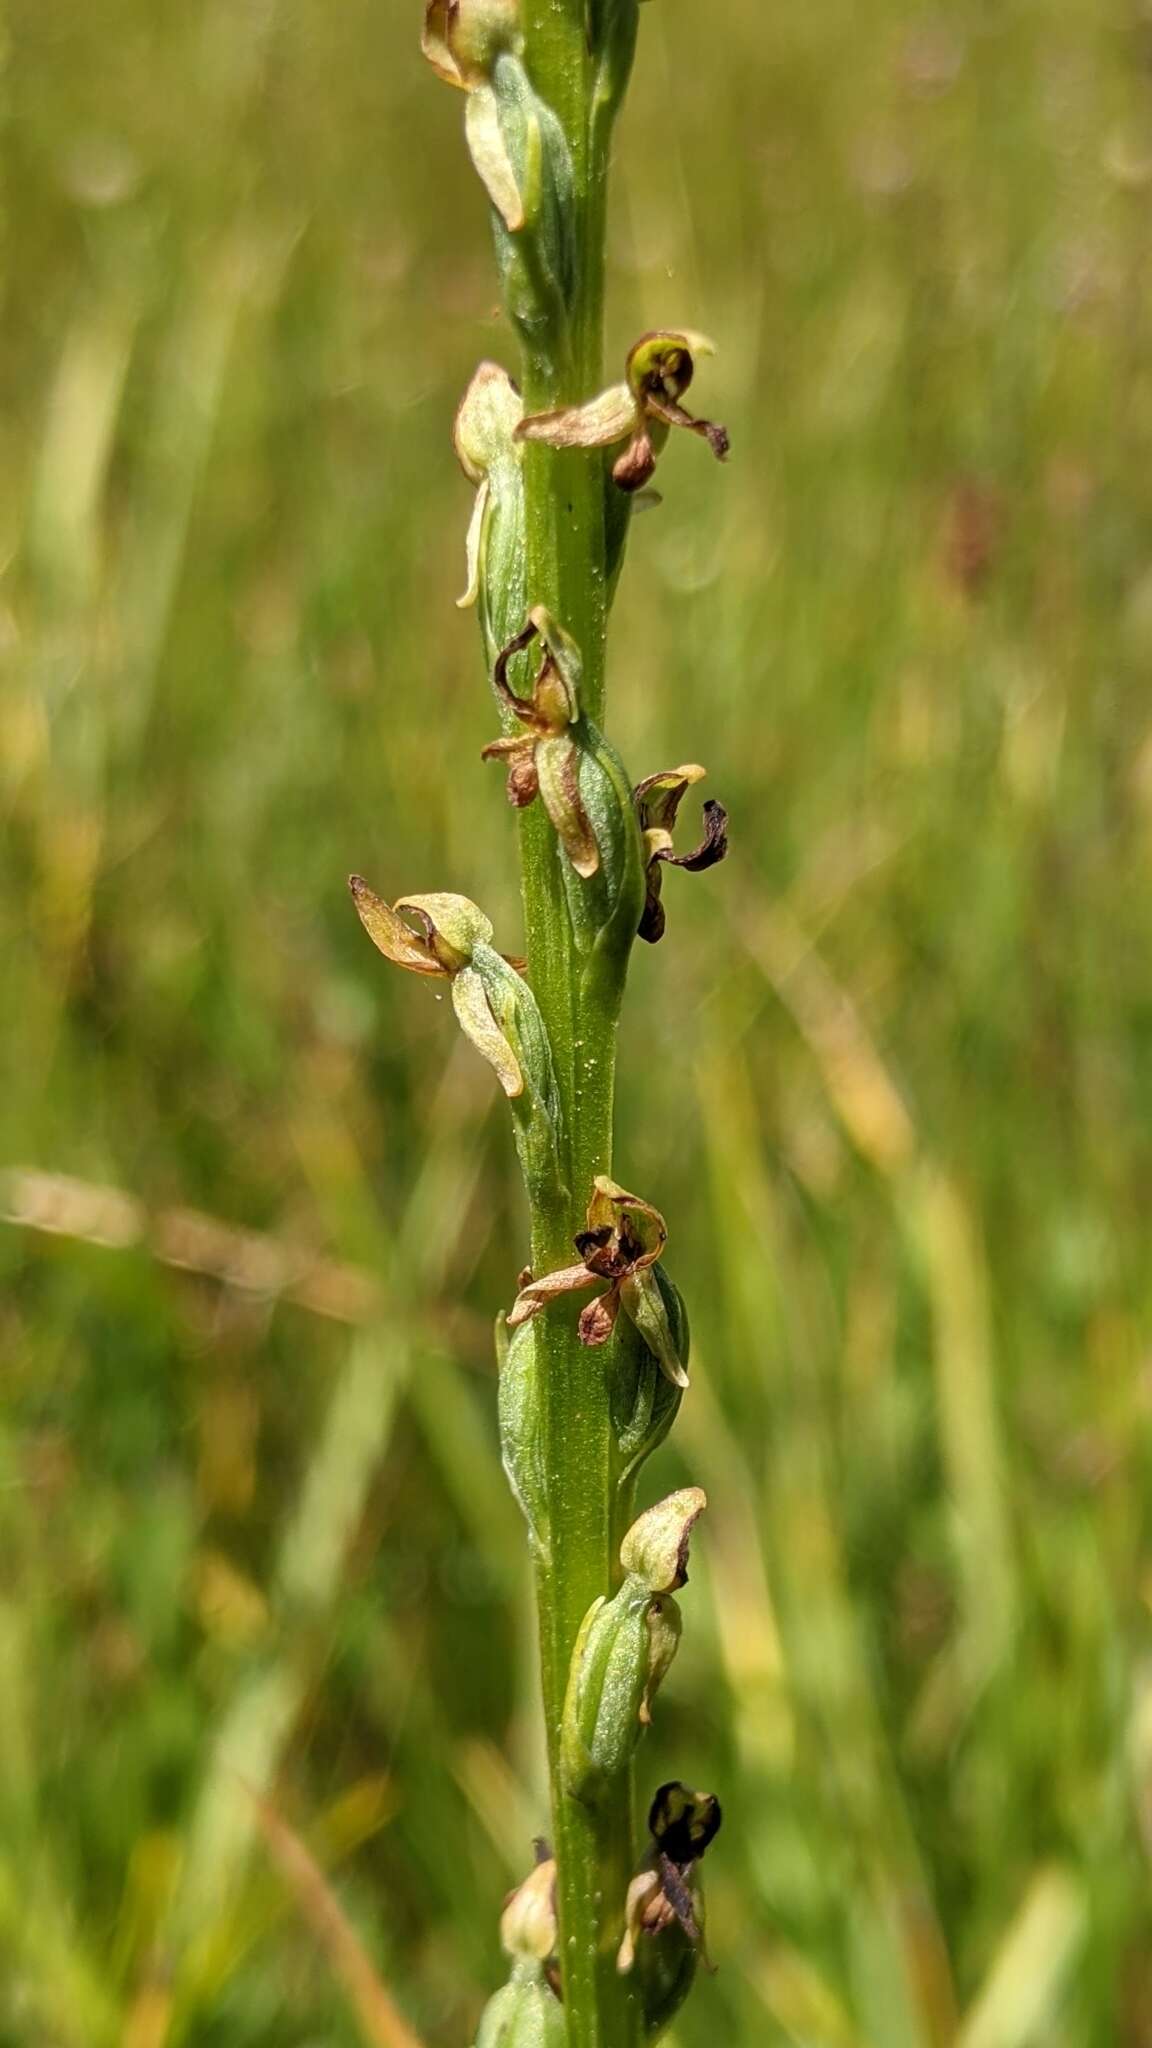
x: 388, y: 931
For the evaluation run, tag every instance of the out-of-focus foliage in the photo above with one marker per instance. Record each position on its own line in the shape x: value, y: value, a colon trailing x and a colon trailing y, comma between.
x: 889, y: 1075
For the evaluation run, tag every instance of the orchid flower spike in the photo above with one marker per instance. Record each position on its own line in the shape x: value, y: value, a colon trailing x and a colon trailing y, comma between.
x: 637, y: 414
x: 624, y: 1239
x: 658, y: 799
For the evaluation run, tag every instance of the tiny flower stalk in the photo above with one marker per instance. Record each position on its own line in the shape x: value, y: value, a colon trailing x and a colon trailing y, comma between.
x: 593, y: 1349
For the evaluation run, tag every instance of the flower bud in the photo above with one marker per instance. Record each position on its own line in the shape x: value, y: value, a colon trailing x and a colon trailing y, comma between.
x: 655, y: 1550
x: 625, y: 1648
x: 645, y: 1402
x: 528, y: 1922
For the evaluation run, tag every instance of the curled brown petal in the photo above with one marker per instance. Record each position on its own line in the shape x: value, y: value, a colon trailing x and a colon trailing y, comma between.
x: 712, y: 848
x: 674, y: 415
x: 598, y: 1320
x: 524, y: 707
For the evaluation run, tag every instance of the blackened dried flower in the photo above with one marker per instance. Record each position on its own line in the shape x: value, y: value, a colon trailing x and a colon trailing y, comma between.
x: 658, y: 799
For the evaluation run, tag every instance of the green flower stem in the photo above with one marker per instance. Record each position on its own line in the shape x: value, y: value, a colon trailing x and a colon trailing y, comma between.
x: 564, y: 498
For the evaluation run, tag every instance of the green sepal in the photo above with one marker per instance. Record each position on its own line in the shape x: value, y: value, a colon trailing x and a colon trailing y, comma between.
x: 525, y: 2013
x: 605, y: 908
x: 612, y: 26
x: 645, y: 1402
x: 520, y: 1406
x: 643, y: 1301
x: 625, y: 1647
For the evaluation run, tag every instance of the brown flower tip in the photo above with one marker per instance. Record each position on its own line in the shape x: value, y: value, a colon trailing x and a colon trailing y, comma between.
x: 658, y: 799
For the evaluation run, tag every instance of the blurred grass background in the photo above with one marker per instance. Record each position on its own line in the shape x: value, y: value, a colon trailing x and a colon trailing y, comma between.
x: 889, y: 1075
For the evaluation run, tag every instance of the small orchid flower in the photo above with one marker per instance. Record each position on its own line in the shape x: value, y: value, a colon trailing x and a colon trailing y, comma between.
x: 663, y: 1893
x: 658, y: 799
x: 528, y: 1922
x: 624, y: 1239
x: 637, y: 413
x: 544, y: 761
x: 438, y: 935
x: 463, y: 40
